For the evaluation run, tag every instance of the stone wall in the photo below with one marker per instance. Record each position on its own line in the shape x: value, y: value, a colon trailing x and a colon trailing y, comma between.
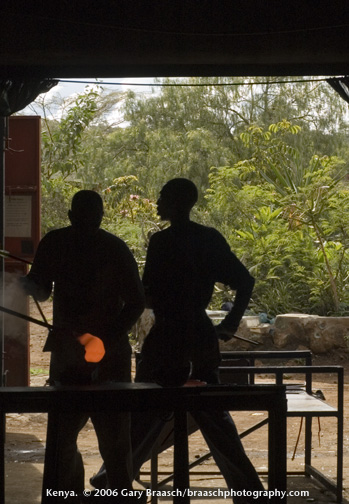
x: 293, y: 331
x: 319, y: 334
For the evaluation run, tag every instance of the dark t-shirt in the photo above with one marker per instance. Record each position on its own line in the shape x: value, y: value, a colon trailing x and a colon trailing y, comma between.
x: 183, y: 264
x: 95, y: 282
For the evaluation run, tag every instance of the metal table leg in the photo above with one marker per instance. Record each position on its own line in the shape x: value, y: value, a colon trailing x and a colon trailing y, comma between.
x: 2, y: 456
x: 181, y: 459
x: 277, y: 479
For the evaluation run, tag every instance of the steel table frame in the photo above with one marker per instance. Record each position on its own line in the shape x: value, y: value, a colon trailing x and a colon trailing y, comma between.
x: 303, y: 404
x: 142, y: 397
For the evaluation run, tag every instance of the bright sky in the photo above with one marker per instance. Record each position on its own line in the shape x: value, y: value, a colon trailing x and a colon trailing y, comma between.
x: 66, y: 89
x: 71, y: 88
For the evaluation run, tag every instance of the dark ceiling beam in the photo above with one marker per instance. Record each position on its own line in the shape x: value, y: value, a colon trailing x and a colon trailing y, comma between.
x: 106, y: 71
x: 112, y: 38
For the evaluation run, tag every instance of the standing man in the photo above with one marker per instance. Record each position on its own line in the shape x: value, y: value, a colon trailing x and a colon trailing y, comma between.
x: 183, y: 263
x: 97, y: 290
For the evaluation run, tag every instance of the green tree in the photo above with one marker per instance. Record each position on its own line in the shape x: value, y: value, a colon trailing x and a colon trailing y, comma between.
x: 66, y: 150
x: 296, y: 236
x: 262, y: 181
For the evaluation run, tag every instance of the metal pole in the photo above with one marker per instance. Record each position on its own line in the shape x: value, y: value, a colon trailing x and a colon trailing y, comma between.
x: 2, y: 287
x: 3, y: 124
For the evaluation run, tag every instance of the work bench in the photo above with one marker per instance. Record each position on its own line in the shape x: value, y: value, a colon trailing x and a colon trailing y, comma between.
x: 141, y: 397
x: 301, y: 401
x: 241, y: 367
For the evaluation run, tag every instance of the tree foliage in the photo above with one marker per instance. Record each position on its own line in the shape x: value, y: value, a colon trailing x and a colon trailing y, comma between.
x: 289, y: 229
x: 268, y: 161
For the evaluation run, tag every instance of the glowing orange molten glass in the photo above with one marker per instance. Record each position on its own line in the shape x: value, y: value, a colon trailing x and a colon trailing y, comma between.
x: 94, y: 347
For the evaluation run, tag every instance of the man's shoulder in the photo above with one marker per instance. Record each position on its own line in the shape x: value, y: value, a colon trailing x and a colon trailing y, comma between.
x: 202, y: 236
x: 201, y: 228
x: 192, y: 228
x: 206, y: 233
x: 103, y: 236
x: 160, y: 235
x: 112, y: 241
x: 56, y: 234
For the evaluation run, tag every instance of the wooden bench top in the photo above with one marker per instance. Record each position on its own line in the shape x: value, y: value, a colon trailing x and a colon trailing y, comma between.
x: 299, y: 402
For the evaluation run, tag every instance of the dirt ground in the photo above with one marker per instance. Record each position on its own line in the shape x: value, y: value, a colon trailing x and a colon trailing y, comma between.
x: 26, y: 433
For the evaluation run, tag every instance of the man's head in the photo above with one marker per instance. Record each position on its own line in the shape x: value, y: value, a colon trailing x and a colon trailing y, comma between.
x: 177, y: 198
x: 86, y: 211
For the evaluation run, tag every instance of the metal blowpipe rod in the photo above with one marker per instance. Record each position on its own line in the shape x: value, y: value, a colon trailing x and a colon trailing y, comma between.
x: 26, y: 317
x: 245, y: 339
x: 5, y: 253
x: 50, y: 326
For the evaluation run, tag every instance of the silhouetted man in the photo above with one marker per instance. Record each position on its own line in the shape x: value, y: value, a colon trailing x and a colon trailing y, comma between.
x: 183, y: 263
x: 97, y: 290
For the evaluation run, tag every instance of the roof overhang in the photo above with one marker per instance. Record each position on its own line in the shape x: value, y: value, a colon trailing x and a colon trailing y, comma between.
x: 112, y: 38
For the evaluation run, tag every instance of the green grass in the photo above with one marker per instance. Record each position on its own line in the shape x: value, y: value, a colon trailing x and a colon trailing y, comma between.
x: 38, y: 371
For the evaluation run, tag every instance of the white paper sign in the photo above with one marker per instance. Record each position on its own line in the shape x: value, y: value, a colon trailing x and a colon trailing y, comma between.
x: 18, y: 216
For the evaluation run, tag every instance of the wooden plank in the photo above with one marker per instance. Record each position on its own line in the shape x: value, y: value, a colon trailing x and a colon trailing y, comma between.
x: 301, y: 402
